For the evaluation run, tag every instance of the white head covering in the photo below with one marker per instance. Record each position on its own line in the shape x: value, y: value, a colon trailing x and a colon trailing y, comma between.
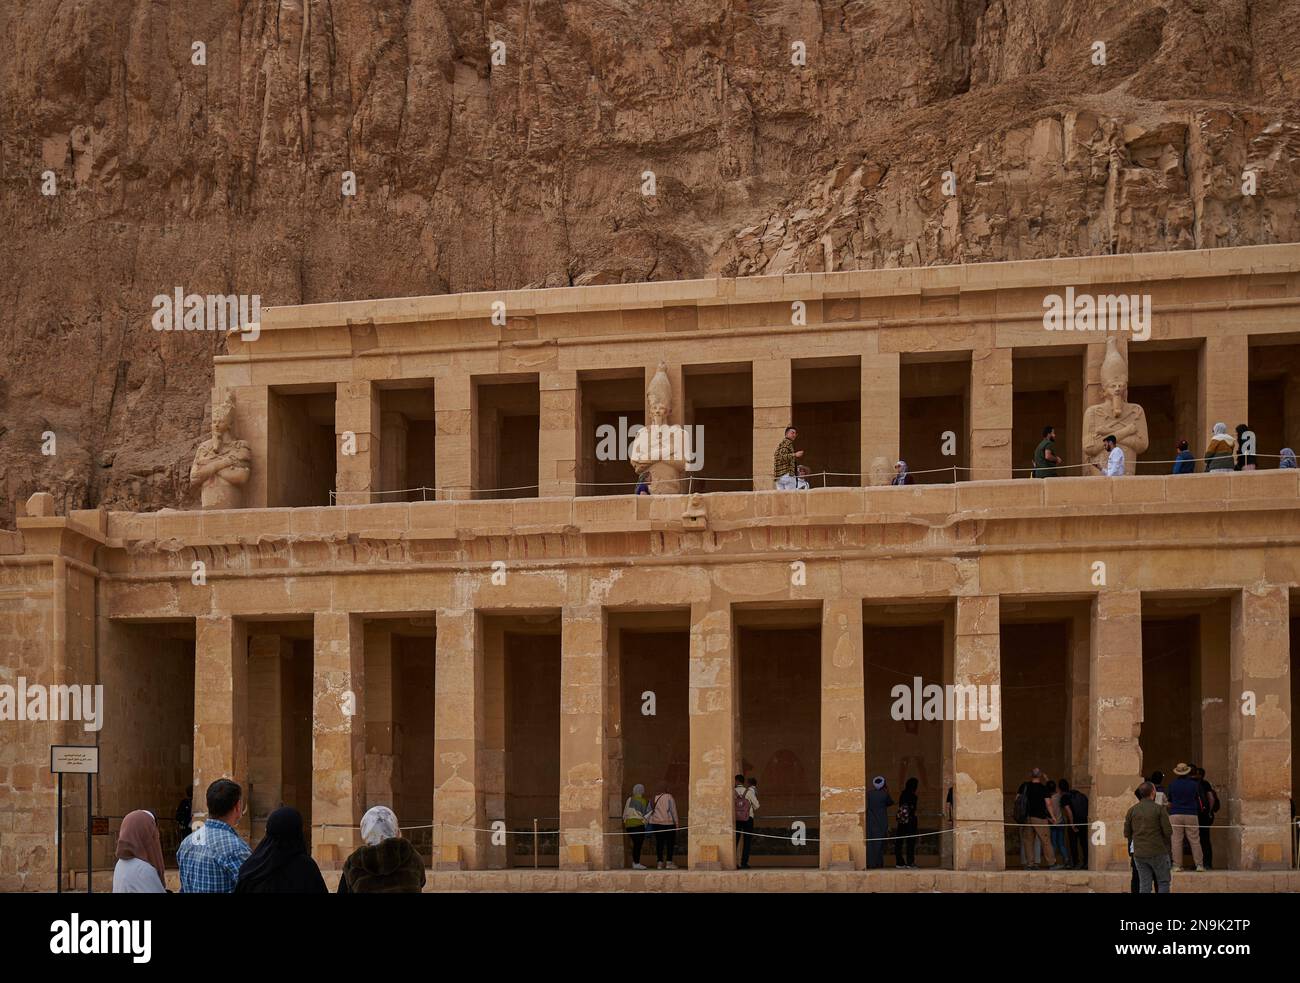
x: 379, y: 824
x: 1221, y: 428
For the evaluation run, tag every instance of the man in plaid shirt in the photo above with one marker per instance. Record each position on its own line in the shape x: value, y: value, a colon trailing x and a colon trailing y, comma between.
x: 785, y: 462
x: 211, y: 856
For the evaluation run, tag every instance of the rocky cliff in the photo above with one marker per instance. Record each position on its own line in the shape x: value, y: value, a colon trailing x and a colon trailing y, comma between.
x: 203, y: 145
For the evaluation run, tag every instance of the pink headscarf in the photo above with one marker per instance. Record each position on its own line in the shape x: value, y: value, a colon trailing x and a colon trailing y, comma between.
x: 138, y: 839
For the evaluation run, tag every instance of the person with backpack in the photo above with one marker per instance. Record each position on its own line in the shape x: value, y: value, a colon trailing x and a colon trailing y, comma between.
x: 663, y: 824
x: 744, y: 801
x: 1075, y: 805
x: 1036, y: 823
x: 908, y: 823
x: 878, y: 803
x: 1205, y: 818
x: 635, y: 810
x: 1184, y: 808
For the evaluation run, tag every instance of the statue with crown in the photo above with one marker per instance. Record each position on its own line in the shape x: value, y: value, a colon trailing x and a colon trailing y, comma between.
x: 1114, y: 415
x: 659, y: 450
x: 222, y: 464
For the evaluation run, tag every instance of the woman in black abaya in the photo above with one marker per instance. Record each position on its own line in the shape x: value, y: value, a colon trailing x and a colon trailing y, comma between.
x: 281, y: 863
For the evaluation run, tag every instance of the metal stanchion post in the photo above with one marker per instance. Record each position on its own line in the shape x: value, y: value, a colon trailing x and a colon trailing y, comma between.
x: 534, y: 844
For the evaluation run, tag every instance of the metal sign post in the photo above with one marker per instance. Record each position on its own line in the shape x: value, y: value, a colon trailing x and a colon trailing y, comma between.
x: 81, y: 760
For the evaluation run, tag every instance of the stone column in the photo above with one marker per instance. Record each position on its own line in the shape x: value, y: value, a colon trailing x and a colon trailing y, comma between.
x: 990, y: 414
x: 1223, y: 387
x: 880, y: 413
x: 773, y: 412
x: 458, y: 805
x: 1115, y: 685
x: 393, y: 429
x: 220, y: 709
x: 356, y: 414
x: 978, y: 807
x: 946, y: 852
x: 712, y: 698
x: 844, y: 754
x: 382, y: 756
x: 454, y: 445
x: 1259, y: 750
x: 338, y: 753
x: 252, y: 416
x: 584, y: 764
x: 1079, y: 705
x: 557, y: 438
x: 265, y: 725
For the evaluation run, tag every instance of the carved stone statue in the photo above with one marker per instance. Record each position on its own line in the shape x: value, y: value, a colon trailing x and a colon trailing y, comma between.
x: 881, y: 472
x: 659, y: 451
x: 222, y: 463
x: 1114, y: 415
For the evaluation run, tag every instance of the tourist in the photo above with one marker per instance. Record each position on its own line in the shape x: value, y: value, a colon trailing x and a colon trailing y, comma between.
x: 1184, y: 808
x: 1157, y: 778
x: 1056, y: 816
x: 1045, y: 460
x: 1037, y: 823
x: 184, y: 813
x: 1245, y: 443
x: 386, y: 862
x: 1218, y: 453
x: 901, y: 477
x: 663, y: 824
x: 1114, y: 458
x: 878, y: 803
x: 635, y: 809
x: 1205, y: 818
x: 281, y: 864
x: 785, y: 461
x: 1288, y: 458
x: 1075, y: 805
x: 908, y: 824
x: 1147, y: 827
x: 211, y: 856
x: 139, y: 868
x: 801, y: 478
x: 744, y: 801
x: 1183, y: 462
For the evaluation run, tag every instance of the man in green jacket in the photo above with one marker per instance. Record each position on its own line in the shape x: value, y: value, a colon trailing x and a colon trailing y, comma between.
x: 1148, y: 828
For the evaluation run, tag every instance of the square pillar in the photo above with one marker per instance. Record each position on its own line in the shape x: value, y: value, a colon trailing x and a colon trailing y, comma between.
x: 1223, y: 388
x: 843, y: 736
x: 356, y: 428
x: 946, y: 852
x: 978, y: 841
x: 773, y: 412
x: 266, y: 737
x: 557, y: 437
x: 338, y: 751
x: 881, y: 415
x: 713, y: 700
x: 252, y: 414
x: 454, y: 407
x: 383, y: 757
x: 1079, y: 706
x: 459, y: 814
x: 394, y: 430
x: 584, y: 764
x: 220, y: 710
x: 1259, y: 748
x: 1115, y: 724
x: 990, y: 414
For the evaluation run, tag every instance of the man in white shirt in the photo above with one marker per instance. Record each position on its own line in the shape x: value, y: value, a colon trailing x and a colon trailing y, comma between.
x: 1114, y: 458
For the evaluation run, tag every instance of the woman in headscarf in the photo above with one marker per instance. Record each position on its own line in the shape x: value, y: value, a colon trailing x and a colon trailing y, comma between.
x: 1288, y: 458
x: 635, y: 809
x: 139, y: 868
x: 901, y: 477
x: 1218, y: 454
x: 909, y: 824
x: 281, y: 864
x: 387, y: 863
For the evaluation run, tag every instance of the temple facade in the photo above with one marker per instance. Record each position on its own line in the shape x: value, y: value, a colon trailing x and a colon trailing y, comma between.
x: 420, y: 576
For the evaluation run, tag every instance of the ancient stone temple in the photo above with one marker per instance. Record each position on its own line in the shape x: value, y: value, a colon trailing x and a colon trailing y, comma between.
x: 421, y: 577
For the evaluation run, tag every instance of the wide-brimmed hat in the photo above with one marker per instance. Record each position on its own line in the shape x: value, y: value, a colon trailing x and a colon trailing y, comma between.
x: 1182, y: 769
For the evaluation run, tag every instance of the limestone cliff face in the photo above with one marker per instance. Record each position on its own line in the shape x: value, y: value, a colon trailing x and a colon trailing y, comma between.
x: 226, y: 177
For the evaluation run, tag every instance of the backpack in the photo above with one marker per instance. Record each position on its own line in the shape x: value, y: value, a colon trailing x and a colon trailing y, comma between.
x: 740, y: 801
x: 904, y: 814
x: 1020, y: 810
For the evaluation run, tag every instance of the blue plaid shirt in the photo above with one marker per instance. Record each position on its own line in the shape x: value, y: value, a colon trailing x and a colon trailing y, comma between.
x: 210, y: 858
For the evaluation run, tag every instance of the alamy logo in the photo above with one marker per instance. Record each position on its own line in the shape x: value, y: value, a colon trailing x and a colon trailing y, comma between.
x: 1098, y: 312
x: 102, y: 937
x: 226, y: 313
x: 40, y: 702
x: 950, y: 702
x: 664, y: 442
